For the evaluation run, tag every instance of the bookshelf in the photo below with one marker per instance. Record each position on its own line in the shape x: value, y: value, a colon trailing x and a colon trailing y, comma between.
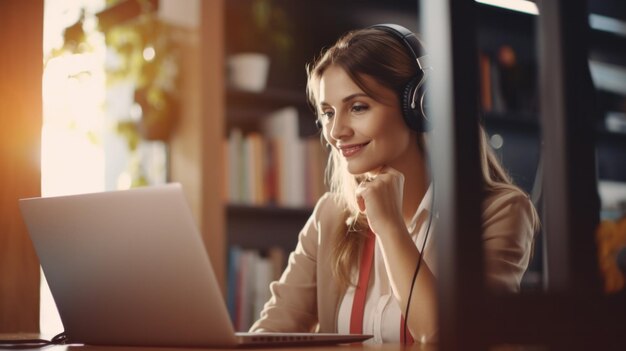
x: 607, y: 57
x: 517, y: 129
x: 275, y: 163
x: 263, y: 226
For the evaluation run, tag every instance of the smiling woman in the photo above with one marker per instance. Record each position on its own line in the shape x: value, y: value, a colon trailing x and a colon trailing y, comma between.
x: 377, y: 217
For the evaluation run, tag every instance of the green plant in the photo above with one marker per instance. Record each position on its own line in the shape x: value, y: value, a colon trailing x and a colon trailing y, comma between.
x: 273, y: 23
x: 147, y: 56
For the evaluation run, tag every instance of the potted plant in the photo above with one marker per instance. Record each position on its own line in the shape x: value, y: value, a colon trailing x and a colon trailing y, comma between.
x: 259, y: 33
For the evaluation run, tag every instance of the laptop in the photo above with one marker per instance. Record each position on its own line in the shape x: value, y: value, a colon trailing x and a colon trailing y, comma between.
x: 130, y: 268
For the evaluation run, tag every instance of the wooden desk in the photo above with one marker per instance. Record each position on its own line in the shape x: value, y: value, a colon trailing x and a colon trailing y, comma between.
x: 351, y: 347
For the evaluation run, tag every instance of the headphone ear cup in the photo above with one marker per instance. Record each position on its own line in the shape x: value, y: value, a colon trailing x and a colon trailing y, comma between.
x: 318, y: 124
x: 412, y: 116
x: 422, y: 109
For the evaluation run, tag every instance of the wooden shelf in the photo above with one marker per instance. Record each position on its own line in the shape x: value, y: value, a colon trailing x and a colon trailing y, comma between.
x: 263, y: 227
x: 245, y: 109
x: 269, y: 99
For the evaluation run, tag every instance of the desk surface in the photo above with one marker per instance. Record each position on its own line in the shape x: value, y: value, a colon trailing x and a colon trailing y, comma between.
x: 350, y: 347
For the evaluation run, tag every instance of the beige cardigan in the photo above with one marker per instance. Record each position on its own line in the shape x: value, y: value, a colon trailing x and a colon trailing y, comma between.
x: 306, y: 298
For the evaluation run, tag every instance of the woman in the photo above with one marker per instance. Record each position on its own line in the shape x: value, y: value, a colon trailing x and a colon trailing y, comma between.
x: 353, y: 268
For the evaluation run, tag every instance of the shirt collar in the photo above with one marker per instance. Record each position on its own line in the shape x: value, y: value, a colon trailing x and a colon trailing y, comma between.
x: 425, y: 206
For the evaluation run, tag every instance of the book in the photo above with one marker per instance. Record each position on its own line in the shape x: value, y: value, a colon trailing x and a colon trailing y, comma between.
x: 260, y: 284
x: 314, y: 170
x: 274, y: 166
x: 234, y: 161
x: 250, y: 273
x: 254, y: 169
x: 485, y: 82
x: 232, y: 282
x: 243, y: 291
x: 281, y: 127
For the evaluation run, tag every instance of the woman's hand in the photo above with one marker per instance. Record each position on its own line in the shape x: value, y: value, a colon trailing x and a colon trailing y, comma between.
x: 380, y: 198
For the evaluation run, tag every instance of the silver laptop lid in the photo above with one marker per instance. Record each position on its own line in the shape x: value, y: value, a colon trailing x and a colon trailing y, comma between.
x: 129, y: 268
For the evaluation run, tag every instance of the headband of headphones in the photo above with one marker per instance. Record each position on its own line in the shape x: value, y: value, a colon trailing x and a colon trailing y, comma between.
x: 410, y: 42
x: 412, y: 96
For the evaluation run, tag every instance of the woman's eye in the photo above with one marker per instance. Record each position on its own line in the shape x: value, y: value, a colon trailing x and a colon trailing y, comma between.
x: 327, y: 114
x: 359, y: 108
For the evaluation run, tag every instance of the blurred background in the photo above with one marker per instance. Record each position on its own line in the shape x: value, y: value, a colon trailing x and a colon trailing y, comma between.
x: 212, y: 94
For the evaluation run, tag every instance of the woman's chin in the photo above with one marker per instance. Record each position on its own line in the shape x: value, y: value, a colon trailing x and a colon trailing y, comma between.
x: 359, y: 170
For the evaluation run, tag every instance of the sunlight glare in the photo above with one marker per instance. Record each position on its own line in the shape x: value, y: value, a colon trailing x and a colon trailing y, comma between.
x: 73, y: 93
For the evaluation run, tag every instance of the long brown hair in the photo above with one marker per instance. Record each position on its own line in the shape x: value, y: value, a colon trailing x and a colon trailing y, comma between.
x: 378, y: 55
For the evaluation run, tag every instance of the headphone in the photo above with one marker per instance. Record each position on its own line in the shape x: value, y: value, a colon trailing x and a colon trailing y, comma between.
x: 412, y: 98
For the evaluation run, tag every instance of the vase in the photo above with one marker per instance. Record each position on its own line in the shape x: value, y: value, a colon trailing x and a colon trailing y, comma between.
x: 248, y: 71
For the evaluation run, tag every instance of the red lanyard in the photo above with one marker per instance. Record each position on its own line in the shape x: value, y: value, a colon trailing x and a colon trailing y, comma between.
x: 360, y: 292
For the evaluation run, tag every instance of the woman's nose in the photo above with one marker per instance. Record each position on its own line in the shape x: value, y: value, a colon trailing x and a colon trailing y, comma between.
x: 340, y: 127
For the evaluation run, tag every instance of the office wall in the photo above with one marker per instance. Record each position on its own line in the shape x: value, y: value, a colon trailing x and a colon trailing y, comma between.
x: 21, y: 35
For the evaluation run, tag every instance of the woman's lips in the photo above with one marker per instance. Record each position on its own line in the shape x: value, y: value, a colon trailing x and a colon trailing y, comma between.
x: 351, y: 150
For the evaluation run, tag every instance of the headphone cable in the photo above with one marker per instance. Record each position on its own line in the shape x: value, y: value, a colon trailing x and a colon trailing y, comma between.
x: 419, y: 261
x: 19, y: 344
